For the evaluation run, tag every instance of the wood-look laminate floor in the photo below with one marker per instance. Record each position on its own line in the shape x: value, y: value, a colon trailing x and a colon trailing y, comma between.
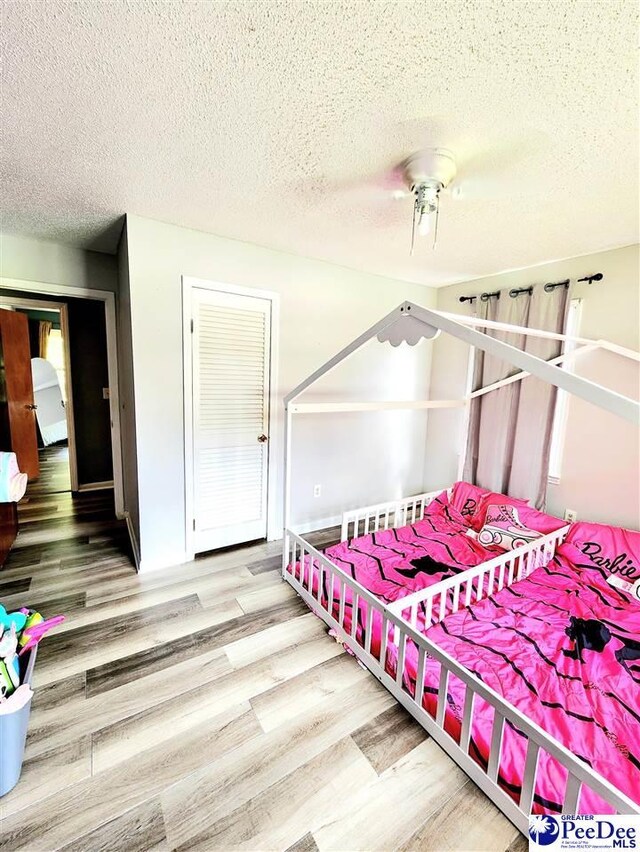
x: 204, y: 708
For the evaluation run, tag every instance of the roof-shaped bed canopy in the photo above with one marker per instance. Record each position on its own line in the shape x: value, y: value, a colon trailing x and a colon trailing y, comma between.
x: 410, y: 323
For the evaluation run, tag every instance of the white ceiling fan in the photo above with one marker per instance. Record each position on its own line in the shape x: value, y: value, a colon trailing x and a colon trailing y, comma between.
x: 479, y: 168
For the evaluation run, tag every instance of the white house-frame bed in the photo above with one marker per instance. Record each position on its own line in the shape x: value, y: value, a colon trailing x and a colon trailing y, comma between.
x: 410, y: 322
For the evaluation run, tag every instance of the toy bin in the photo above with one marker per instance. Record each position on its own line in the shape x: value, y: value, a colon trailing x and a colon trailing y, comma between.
x: 13, y: 735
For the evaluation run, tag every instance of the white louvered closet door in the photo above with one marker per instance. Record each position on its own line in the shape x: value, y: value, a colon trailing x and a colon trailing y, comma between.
x: 231, y: 358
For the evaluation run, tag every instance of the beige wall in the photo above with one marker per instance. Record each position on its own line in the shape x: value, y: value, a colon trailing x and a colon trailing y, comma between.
x: 600, y: 475
x: 356, y: 458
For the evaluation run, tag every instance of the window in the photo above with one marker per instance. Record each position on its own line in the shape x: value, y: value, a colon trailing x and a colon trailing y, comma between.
x: 571, y: 329
x: 55, y: 356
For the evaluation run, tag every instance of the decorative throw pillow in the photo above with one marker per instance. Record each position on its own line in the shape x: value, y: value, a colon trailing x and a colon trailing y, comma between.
x: 503, y: 528
x: 536, y: 520
x: 472, y: 502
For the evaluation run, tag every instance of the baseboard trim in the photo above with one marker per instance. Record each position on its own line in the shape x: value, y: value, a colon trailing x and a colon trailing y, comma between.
x: 319, y: 524
x: 134, y: 541
x: 148, y: 567
x: 96, y: 486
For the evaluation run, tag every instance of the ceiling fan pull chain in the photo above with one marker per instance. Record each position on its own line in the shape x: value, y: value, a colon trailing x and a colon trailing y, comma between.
x: 413, y: 226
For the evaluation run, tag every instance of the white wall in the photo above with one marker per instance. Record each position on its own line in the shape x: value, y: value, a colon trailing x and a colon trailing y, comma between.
x: 360, y: 458
x: 601, y: 461
x: 55, y: 263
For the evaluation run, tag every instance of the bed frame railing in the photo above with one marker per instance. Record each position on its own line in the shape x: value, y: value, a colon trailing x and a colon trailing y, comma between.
x: 301, y: 558
x: 384, y: 516
x: 474, y: 584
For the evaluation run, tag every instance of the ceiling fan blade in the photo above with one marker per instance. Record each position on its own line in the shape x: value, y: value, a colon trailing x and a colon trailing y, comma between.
x: 506, y: 169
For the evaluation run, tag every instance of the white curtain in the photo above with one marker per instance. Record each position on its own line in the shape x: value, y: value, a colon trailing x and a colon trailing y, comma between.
x: 487, y: 310
x: 534, y: 426
x: 510, y: 428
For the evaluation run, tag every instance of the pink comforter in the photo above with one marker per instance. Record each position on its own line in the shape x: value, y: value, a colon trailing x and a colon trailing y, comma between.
x: 563, y: 646
x: 393, y: 563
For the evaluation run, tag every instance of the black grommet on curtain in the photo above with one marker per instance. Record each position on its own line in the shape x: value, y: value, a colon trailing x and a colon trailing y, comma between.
x: 517, y: 291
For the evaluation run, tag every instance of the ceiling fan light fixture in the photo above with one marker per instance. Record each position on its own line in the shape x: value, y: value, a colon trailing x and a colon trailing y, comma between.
x: 427, y: 199
x: 427, y: 173
x: 424, y: 224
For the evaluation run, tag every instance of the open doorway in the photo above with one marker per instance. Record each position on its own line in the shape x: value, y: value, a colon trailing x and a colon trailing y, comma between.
x: 47, y: 324
x: 69, y: 372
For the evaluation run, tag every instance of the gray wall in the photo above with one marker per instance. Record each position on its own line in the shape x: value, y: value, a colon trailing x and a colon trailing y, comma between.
x: 54, y: 263
x: 22, y: 258
x: 356, y: 458
x: 127, y: 393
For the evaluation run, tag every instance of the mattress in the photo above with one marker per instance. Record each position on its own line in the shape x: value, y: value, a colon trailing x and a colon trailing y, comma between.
x: 396, y: 562
x: 563, y: 647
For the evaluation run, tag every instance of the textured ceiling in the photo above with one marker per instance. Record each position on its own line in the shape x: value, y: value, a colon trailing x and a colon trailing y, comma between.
x: 275, y: 122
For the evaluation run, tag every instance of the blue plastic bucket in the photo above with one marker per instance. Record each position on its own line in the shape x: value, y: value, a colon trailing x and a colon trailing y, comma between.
x: 13, y: 735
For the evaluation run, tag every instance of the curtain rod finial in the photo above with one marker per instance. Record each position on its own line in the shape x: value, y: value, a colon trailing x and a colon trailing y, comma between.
x: 591, y: 278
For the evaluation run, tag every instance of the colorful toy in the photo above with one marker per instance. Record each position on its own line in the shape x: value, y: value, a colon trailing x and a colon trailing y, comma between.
x: 35, y: 628
x: 19, y: 619
x: 33, y: 618
x: 9, y: 666
x: 6, y: 683
x: 19, y: 630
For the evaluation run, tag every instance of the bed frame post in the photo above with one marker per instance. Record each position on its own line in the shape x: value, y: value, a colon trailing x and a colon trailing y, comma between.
x: 286, y: 510
x: 466, y: 418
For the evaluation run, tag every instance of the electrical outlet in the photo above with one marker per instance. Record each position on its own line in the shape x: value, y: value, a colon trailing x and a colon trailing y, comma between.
x: 317, y: 490
x: 570, y: 515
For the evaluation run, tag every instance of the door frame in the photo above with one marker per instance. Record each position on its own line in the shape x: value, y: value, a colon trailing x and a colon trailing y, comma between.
x: 189, y: 283
x: 41, y: 288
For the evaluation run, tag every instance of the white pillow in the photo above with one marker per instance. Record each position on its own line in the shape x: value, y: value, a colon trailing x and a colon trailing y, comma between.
x: 503, y: 528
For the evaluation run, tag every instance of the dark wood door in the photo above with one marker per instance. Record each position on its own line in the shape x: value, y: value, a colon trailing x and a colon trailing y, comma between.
x: 18, y: 391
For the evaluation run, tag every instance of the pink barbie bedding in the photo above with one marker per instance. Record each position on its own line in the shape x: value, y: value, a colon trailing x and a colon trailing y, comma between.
x: 393, y: 563
x: 563, y: 647
x: 472, y: 502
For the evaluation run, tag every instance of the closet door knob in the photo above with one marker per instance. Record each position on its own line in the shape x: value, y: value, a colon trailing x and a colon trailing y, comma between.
x: 262, y: 438
x: 31, y: 407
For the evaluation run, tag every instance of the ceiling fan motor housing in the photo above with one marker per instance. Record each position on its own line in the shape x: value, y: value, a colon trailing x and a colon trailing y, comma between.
x: 433, y: 166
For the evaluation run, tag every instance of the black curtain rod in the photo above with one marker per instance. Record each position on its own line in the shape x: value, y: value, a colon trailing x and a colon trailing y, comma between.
x: 517, y: 291
x: 590, y: 278
x: 484, y: 297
